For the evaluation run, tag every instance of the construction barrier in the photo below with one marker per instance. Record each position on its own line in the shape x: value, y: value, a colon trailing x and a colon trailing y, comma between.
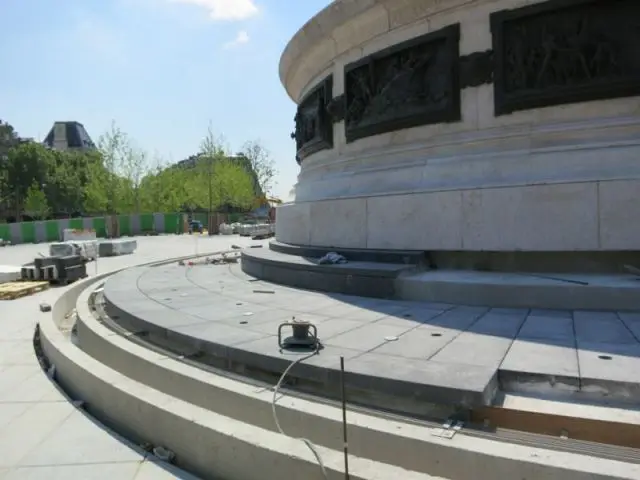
x: 110, y: 226
x: 114, y: 226
x: 69, y: 234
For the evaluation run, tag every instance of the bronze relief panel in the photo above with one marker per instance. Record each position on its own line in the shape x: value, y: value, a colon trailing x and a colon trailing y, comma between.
x: 314, y: 124
x: 565, y: 51
x: 411, y: 84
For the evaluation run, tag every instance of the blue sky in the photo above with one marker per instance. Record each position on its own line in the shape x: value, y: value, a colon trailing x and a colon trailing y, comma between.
x: 163, y: 70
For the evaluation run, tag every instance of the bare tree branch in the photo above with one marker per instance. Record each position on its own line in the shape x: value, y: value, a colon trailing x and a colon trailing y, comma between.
x: 262, y: 164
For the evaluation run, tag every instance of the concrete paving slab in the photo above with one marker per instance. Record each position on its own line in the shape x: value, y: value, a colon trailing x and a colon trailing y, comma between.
x: 610, y: 370
x: 632, y: 322
x: 106, y: 471
x: 500, y: 322
x: 217, y: 333
x: 541, y: 359
x: 368, y: 337
x: 211, y: 313
x: 16, y: 353
x: 601, y: 327
x: 414, y: 316
x: 475, y: 349
x: 619, y: 362
x: 34, y: 388
x: 146, y: 307
x: 27, y: 431
x: 542, y: 326
x: 522, y: 290
x: 422, y: 343
x: 332, y: 327
x: 270, y: 326
x: 13, y: 376
x: 18, y: 333
x: 352, y: 312
x: 400, y: 321
x: 266, y: 354
x: 246, y: 313
x: 486, y: 341
x: 10, y: 411
x: 154, y: 470
x: 90, y: 445
x: 438, y: 382
x: 540, y: 368
x: 167, y: 318
x: 302, y: 304
x: 459, y: 317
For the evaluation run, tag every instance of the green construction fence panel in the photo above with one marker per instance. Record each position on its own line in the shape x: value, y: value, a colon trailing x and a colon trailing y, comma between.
x: 202, y: 218
x: 179, y: 218
x: 76, y: 224
x: 28, y: 231
x: 146, y: 222
x: 52, y: 230
x: 172, y: 223
x: 124, y: 224
x: 100, y: 226
x: 5, y: 232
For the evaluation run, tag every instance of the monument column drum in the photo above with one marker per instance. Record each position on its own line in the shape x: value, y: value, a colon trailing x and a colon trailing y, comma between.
x: 496, y: 135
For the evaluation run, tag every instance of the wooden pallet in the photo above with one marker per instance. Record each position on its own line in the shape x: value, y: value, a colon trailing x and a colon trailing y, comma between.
x: 13, y: 290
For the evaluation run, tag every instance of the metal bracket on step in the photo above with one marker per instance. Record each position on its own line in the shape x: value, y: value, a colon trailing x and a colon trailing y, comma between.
x: 448, y: 430
x: 633, y: 271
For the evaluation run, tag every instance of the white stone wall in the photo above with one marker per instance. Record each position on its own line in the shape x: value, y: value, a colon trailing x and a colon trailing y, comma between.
x: 557, y: 178
x: 564, y: 217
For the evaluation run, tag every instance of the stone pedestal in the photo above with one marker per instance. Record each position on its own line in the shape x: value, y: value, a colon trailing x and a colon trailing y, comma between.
x: 457, y: 127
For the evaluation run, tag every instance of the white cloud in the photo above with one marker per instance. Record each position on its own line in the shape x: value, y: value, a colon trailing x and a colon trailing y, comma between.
x: 241, y: 38
x: 225, y: 10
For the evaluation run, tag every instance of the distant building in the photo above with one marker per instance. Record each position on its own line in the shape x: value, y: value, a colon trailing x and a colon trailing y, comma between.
x: 69, y: 136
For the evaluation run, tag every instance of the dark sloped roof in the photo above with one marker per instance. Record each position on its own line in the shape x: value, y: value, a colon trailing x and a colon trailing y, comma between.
x: 73, y: 135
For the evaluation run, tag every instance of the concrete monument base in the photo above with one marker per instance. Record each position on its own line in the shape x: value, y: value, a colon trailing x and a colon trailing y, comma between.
x: 465, y: 129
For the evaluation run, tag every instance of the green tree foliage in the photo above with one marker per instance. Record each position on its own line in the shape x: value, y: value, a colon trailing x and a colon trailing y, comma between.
x: 67, y: 177
x: 35, y: 203
x: 27, y: 164
x: 233, y: 185
x: 95, y: 190
x: 117, y: 178
x: 8, y: 139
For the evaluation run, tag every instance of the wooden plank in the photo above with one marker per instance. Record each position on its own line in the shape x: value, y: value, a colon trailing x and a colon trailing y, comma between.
x: 13, y: 290
x: 586, y: 429
x: 15, y: 286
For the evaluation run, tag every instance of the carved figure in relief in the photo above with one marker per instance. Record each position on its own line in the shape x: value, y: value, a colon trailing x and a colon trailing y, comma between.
x: 571, y: 48
x: 313, y: 130
x: 360, y: 95
x: 307, y: 120
x: 403, y: 84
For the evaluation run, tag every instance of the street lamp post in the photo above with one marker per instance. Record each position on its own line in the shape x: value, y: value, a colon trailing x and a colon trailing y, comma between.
x: 210, y: 196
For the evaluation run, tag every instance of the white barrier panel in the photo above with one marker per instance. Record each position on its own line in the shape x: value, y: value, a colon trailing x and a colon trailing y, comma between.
x: 9, y: 273
x: 70, y: 234
x: 256, y: 229
x: 226, y: 229
x: 87, y: 249
x: 122, y: 246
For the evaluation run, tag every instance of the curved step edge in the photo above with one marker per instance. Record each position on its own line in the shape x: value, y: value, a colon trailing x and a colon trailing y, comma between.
x: 409, y: 446
x: 206, y: 443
